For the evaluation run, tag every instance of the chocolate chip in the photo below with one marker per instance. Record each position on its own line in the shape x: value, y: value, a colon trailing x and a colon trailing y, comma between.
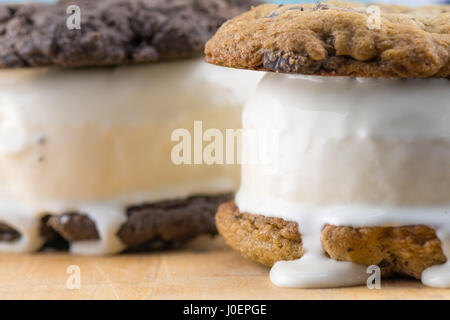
x: 295, y: 63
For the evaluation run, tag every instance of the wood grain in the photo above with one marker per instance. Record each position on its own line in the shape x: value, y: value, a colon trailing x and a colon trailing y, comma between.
x: 206, y: 269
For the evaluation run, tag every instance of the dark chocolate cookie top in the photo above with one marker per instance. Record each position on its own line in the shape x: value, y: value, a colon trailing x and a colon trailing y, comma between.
x: 112, y: 32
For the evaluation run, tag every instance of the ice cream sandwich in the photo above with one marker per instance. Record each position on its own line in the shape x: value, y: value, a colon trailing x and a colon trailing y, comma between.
x: 87, y: 116
x: 359, y: 99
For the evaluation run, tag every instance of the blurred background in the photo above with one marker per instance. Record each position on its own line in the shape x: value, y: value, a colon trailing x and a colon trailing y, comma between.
x: 404, y: 2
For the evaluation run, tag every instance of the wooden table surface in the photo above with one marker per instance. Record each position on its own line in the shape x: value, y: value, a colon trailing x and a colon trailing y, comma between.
x: 206, y: 269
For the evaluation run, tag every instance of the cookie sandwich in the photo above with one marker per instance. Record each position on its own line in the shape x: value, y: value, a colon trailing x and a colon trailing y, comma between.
x: 359, y: 99
x: 87, y: 120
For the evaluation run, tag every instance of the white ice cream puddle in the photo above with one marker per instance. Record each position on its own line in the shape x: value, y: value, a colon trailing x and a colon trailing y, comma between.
x: 315, y: 269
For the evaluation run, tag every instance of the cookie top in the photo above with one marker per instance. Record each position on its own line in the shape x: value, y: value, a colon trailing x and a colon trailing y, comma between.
x: 337, y: 39
x: 112, y: 32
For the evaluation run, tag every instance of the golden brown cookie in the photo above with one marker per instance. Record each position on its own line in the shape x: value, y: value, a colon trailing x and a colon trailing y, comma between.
x: 404, y: 250
x: 337, y: 38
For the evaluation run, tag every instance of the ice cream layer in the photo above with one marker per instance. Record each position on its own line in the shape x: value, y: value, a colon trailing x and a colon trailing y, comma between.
x: 79, y: 139
x: 349, y: 152
x: 345, y: 140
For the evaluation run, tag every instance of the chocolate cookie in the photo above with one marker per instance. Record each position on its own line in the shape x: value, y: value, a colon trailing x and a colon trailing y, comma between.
x: 404, y: 250
x: 337, y: 39
x: 152, y: 226
x: 7, y: 233
x: 112, y: 32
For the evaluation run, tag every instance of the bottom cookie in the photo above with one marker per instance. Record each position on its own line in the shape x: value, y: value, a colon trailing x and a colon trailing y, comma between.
x: 148, y: 227
x: 407, y: 250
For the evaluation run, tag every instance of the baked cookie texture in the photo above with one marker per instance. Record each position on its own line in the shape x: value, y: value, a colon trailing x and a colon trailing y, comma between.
x: 337, y: 39
x: 112, y: 31
x: 407, y: 250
